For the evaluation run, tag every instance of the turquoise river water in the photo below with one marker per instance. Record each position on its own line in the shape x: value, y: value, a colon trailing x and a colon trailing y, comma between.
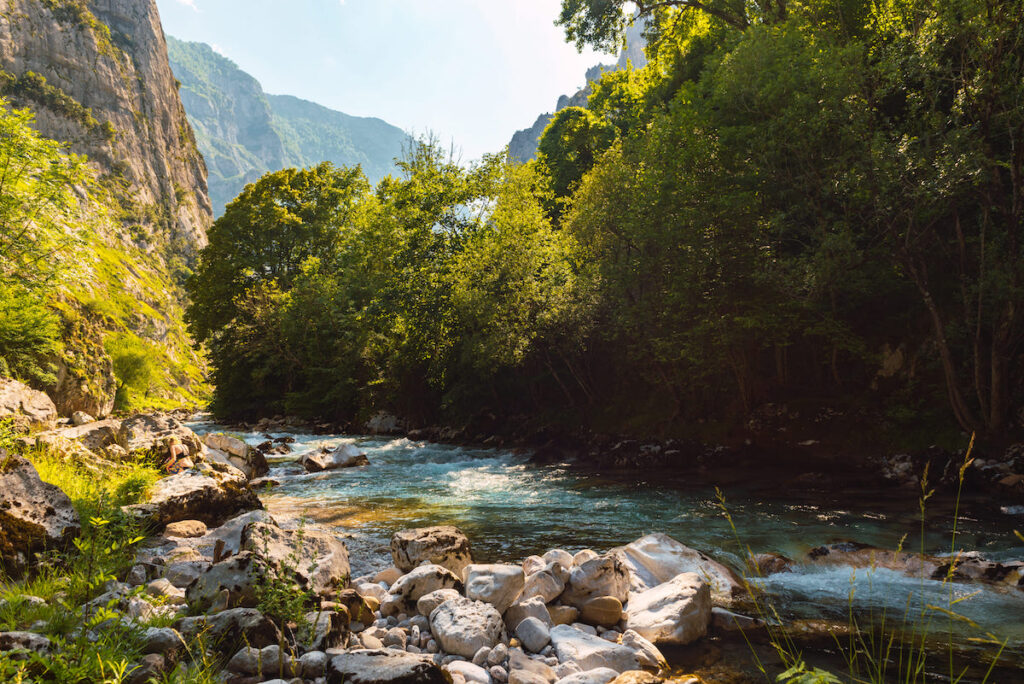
x: 511, y: 508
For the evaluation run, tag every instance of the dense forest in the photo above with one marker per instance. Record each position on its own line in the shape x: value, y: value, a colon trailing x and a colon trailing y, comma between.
x: 817, y: 203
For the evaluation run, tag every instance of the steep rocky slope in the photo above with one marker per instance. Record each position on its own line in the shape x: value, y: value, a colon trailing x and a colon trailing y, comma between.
x: 244, y: 132
x: 96, y: 75
x: 523, y: 145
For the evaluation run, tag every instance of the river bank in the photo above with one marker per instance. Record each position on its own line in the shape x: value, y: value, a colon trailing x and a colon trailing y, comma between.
x: 512, y: 508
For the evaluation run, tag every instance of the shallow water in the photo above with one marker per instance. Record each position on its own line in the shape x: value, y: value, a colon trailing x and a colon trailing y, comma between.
x: 511, y: 509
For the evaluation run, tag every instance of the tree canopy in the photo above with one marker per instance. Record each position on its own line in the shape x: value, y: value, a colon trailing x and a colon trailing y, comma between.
x: 815, y: 203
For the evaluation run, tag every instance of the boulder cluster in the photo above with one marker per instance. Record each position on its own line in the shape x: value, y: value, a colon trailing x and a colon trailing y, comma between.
x: 433, y: 616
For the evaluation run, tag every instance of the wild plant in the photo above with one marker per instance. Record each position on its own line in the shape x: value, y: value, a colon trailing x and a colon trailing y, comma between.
x: 878, y: 649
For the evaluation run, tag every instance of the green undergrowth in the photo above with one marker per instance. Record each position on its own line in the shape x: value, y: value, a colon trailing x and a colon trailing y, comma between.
x: 136, y: 302
x: 89, y: 643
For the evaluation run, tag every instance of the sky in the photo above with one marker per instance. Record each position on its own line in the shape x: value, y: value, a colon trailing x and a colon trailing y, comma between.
x: 470, y: 71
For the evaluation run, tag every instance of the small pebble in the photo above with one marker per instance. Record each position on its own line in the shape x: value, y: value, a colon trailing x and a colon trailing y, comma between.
x: 498, y: 655
x: 480, y: 657
x: 499, y: 674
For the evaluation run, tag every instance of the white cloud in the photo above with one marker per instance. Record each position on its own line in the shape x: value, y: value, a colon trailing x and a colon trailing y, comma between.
x: 189, y: 3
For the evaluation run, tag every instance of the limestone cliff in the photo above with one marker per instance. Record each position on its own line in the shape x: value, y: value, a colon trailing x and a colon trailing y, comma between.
x: 523, y: 145
x: 97, y: 77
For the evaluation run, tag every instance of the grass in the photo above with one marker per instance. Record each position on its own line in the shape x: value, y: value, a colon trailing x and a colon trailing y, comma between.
x: 881, y: 649
x: 89, y: 644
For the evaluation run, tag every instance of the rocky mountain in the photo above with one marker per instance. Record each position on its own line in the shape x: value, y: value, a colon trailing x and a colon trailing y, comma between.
x: 244, y: 132
x: 96, y: 75
x: 523, y: 145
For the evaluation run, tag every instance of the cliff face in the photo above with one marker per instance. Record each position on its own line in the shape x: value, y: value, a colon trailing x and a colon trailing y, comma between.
x: 109, y: 57
x: 243, y: 133
x: 97, y: 77
x: 523, y: 145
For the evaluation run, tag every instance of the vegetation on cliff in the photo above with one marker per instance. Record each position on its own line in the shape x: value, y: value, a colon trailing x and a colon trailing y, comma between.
x: 107, y: 233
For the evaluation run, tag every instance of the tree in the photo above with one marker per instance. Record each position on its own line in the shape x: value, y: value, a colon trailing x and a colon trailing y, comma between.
x: 568, y: 149
x: 257, y: 251
x: 602, y: 23
x: 29, y: 337
x: 41, y: 188
x: 949, y: 186
x: 266, y: 234
x: 135, y: 366
x: 41, y: 192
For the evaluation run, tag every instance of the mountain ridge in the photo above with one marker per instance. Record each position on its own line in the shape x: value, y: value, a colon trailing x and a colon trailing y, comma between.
x: 245, y: 132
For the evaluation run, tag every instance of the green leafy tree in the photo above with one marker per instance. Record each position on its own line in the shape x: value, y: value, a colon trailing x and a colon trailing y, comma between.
x: 265, y: 235
x: 135, y: 366
x: 948, y: 187
x: 602, y: 23
x: 29, y: 337
x: 41, y: 188
x: 569, y: 147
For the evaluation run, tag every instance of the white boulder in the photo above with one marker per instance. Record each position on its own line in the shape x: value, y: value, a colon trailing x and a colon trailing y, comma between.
x: 422, y: 581
x: 463, y: 626
x: 444, y: 545
x: 675, y: 612
x: 657, y: 558
x: 603, y: 576
x: 534, y: 634
x: 499, y: 585
x: 345, y: 456
x: 545, y: 585
x: 591, y: 652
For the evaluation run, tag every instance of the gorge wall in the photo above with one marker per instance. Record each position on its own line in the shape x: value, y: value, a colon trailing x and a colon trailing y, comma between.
x: 97, y: 77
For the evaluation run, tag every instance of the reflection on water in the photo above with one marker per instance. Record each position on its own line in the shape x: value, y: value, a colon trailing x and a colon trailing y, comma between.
x: 510, y: 509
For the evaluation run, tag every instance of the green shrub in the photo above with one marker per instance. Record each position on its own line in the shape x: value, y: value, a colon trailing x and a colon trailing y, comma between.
x: 29, y: 337
x: 135, y: 367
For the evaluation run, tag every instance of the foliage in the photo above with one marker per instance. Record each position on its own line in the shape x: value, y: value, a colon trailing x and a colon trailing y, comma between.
x: 570, y: 146
x: 38, y: 202
x: 278, y: 594
x: 782, y: 196
x: 89, y: 644
x: 135, y: 366
x: 29, y: 337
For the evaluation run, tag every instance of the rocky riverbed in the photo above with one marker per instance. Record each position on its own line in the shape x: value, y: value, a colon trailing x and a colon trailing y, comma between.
x: 431, y: 607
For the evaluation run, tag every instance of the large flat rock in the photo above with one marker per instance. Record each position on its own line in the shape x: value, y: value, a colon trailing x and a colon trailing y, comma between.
x: 207, y: 494
x: 384, y: 667
x: 34, y: 515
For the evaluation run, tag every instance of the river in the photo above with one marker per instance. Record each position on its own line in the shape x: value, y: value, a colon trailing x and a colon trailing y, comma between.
x: 511, y: 508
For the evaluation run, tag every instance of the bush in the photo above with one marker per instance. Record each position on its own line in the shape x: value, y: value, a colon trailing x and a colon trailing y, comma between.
x: 29, y: 337
x: 135, y: 367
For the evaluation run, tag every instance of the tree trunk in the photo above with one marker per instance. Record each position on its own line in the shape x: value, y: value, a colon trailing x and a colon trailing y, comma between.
x: 961, y: 410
